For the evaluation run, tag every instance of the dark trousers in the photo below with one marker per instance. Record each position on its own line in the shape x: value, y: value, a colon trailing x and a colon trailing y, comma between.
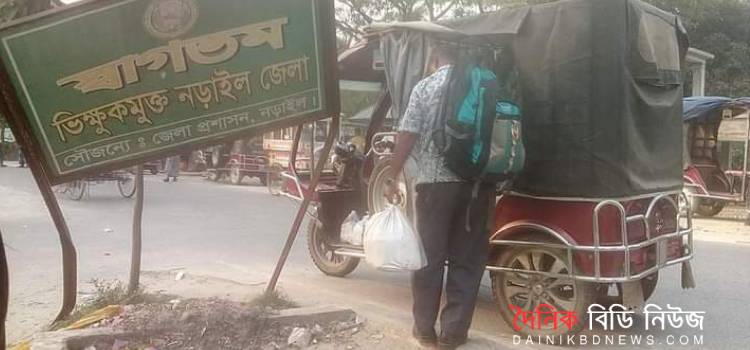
x: 442, y: 224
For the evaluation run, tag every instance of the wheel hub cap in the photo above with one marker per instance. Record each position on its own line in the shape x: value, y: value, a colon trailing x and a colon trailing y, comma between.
x: 538, y: 289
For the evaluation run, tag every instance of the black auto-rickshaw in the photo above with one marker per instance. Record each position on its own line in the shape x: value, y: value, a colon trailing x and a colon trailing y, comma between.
x: 709, y: 186
x: 595, y: 215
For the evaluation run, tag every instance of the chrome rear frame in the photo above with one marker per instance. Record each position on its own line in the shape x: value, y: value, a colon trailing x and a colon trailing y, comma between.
x: 685, y: 233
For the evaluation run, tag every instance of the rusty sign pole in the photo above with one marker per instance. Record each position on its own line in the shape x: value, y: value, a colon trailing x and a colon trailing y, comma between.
x: 135, y: 253
x: 305, y: 204
x: 14, y: 113
x: 69, y: 254
x: 4, y: 291
x: 745, y: 185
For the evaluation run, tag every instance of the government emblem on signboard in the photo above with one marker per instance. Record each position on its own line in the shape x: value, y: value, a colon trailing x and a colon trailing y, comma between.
x: 167, y: 19
x: 178, y: 82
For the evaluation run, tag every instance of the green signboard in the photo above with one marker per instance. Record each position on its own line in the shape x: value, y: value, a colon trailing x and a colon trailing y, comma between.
x: 109, y: 84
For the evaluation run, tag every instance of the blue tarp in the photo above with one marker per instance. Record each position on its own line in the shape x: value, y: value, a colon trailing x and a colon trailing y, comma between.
x: 702, y: 108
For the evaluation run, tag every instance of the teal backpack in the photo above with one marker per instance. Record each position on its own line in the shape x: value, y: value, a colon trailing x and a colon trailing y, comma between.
x: 482, y: 139
x: 507, y: 154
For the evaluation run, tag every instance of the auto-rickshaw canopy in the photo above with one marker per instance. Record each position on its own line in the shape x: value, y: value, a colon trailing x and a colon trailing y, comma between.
x: 706, y: 108
x: 600, y: 86
x: 703, y: 117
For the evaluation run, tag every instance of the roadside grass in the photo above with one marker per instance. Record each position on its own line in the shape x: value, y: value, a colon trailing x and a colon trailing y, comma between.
x: 275, y: 300
x: 108, y: 293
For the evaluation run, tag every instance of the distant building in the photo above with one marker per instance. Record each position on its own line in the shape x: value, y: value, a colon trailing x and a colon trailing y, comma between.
x: 696, y: 65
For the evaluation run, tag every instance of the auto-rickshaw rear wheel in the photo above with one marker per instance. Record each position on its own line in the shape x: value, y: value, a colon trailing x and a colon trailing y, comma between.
x: 323, y: 255
x: 712, y: 207
x: 235, y: 174
x: 273, y: 180
x: 687, y: 200
x: 527, y: 291
x: 214, y: 175
x: 709, y: 207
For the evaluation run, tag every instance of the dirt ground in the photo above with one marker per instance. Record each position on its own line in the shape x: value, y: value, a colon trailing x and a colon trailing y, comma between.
x: 728, y: 226
x: 226, y: 325
x: 733, y: 212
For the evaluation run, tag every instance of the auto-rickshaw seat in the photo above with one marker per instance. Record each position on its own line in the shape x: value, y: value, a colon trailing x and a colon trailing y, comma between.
x: 326, y: 187
x: 704, y: 162
x: 704, y: 142
x: 327, y: 181
x: 335, y: 205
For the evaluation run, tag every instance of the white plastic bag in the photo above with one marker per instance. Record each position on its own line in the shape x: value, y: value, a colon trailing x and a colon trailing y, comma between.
x: 391, y: 243
x: 347, y: 229
x: 353, y: 229
x: 359, y: 231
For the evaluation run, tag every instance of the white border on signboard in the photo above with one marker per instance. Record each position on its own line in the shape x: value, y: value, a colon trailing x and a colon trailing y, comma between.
x: 51, y: 152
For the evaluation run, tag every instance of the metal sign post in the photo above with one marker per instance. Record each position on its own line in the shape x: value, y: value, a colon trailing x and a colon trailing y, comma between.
x: 69, y: 254
x: 12, y: 110
x: 306, y: 198
x: 135, y: 253
x: 4, y: 291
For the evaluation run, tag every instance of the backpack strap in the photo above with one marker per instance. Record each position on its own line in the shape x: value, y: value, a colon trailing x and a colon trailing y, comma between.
x: 474, y: 196
x: 438, y: 137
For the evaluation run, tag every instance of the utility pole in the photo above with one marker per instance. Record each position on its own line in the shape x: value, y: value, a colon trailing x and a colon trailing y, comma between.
x: 2, y: 144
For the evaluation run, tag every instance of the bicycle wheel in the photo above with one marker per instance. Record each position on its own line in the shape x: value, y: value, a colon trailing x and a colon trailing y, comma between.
x: 126, y: 185
x: 76, y: 189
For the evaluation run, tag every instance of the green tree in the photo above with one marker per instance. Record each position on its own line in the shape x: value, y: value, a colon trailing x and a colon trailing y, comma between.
x: 720, y: 27
x: 353, y: 15
x: 13, y: 9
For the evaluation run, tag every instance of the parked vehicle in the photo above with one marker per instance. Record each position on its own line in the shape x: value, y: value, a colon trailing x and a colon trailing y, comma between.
x: 301, y: 147
x: 124, y: 179
x: 291, y: 179
x: 709, y: 187
x: 235, y: 161
x: 595, y: 215
x: 152, y: 167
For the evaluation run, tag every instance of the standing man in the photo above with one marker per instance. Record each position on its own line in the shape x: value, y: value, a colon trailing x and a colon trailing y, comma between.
x: 21, y: 157
x: 451, y: 218
x: 2, y: 147
x: 172, y: 168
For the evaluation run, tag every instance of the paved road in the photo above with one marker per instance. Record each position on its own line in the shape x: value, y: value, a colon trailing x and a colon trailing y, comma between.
x: 235, y: 233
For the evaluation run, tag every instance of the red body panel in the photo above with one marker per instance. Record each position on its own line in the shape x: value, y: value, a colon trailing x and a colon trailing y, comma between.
x: 249, y: 162
x: 691, y: 175
x: 574, y: 222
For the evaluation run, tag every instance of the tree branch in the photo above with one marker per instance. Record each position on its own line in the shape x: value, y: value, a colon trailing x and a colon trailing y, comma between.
x: 480, y: 5
x: 345, y: 27
x: 358, y: 10
x: 430, y: 9
x: 447, y: 8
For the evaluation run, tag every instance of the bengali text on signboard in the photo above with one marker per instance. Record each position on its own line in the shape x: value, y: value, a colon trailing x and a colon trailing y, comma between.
x: 114, y: 82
